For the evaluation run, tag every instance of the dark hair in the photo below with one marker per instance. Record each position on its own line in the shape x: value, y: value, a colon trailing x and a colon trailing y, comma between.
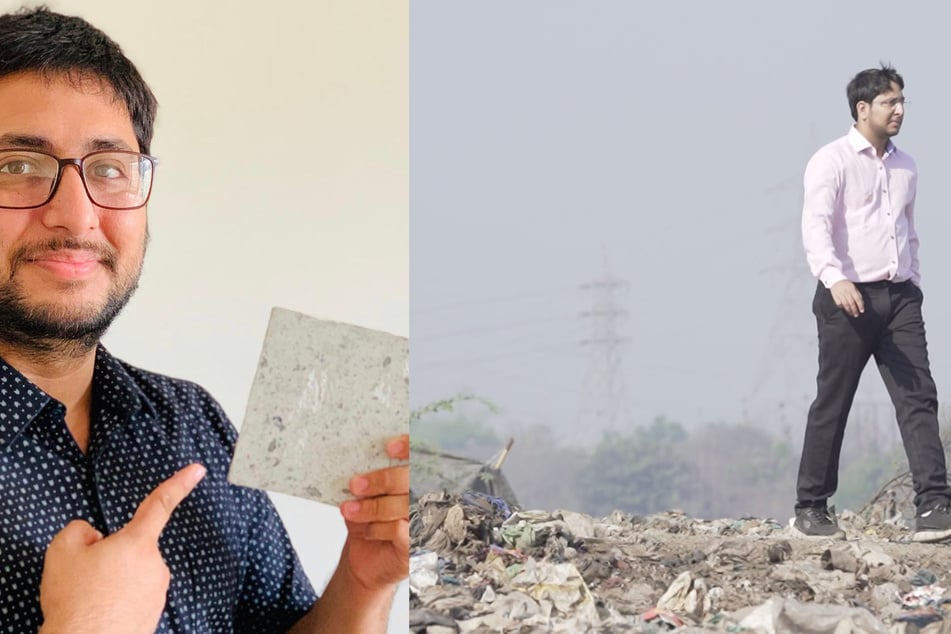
x: 40, y: 41
x: 870, y: 83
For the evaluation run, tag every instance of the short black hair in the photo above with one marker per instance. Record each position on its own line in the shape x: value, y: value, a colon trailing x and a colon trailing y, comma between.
x: 870, y: 83
x: 51, y: 44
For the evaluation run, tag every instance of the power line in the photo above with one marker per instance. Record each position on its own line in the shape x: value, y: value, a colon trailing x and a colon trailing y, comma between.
x: 500, y: 327
x: 495, y: 300
x: 467, y: 361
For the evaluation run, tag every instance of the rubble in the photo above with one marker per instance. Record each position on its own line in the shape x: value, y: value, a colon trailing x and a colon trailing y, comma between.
x: 478, y: 565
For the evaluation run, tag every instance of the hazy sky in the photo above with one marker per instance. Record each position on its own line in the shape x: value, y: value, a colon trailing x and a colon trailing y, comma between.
x: 668, y: 139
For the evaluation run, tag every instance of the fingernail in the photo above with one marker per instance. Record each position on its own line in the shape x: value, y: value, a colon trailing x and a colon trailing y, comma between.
x: 396, y: 446
x: 359, y: 485
x: 198, y: 474
x: 350, y: 508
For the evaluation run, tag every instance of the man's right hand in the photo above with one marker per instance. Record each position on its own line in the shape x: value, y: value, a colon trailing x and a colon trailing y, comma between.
x: 95, y: 584
x: 847, y: 297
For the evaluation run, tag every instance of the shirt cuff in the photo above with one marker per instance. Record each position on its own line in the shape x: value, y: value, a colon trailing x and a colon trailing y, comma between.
x: 831, y: 277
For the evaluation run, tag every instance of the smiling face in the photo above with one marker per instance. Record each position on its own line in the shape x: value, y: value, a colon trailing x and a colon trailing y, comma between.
x: 66, y: 268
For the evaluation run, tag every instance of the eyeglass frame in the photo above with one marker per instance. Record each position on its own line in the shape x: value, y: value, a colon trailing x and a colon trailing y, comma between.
x: 892, y: 103
x: 78, y: 162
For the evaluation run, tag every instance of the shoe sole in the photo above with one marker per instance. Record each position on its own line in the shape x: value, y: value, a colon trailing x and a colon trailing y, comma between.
x: 839, y: 534
x: 927, y: 536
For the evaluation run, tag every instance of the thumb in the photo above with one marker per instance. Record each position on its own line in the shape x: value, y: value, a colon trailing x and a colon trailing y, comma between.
x: 156, y: 509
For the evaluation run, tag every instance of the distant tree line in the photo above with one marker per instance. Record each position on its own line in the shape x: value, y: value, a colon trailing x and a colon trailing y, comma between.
x: 709, y: 471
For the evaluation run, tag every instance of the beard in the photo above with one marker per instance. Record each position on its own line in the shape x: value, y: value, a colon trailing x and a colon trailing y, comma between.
x: 71, y: 329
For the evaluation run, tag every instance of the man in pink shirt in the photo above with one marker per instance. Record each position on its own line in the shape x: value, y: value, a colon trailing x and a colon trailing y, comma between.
x: 858, y: 229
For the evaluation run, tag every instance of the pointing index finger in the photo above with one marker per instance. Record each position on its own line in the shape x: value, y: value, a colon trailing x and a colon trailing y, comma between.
x: 156, y: 509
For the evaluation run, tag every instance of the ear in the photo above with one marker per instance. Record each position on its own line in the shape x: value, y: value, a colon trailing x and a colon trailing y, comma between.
x: 861, y: 109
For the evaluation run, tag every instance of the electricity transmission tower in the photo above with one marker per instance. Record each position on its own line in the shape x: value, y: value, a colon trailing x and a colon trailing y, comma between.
x: 603, y: 399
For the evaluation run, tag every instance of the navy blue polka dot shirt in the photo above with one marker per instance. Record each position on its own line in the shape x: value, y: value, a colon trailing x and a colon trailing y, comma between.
x: 233, y: 567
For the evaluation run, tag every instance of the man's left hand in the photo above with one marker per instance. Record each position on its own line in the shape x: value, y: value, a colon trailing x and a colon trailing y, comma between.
x: 377, y: 547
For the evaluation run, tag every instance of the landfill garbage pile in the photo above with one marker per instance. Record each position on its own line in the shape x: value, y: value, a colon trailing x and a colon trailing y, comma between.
x: 478, y: 565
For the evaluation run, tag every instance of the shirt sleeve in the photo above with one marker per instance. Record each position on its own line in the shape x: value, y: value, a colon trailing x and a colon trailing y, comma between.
x: 275, y: 592
x: 820, y: 187
x: 913, y: 239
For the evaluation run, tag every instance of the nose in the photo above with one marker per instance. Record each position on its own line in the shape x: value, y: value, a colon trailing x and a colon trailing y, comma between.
x: 70, y: 207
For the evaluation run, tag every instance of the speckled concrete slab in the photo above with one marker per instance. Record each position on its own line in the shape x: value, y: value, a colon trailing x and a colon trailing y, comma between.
x: 325, y: 399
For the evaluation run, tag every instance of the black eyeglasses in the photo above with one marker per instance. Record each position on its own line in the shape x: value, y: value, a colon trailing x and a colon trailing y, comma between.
x: 114, y: 179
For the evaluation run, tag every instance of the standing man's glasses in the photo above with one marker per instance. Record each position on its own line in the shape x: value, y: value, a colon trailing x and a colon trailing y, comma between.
x: 891, y: 104
x: 114, y: 179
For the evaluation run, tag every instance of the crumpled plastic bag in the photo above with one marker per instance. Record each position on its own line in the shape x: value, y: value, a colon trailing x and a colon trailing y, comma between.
x: 684, y: 596
x: 423, y: 570
x: 561, y: 584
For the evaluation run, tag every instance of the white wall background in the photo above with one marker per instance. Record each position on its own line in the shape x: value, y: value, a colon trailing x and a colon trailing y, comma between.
x: 283, y: 139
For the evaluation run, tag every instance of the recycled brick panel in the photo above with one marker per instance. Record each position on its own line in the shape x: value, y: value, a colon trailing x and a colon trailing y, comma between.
x: 325, y: 399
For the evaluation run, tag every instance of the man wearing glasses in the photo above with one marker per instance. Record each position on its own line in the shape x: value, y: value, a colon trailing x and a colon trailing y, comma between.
x: 115, y: 513
x: 858, y: 229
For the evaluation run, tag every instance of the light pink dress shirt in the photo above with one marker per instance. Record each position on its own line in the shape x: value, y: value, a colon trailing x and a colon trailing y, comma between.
x: 858, y: 213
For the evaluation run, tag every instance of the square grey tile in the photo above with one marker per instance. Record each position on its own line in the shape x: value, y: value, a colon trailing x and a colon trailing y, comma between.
x: 325, y: 399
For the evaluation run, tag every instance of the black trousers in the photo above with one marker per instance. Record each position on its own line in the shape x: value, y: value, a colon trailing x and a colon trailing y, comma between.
x: 892, y: 331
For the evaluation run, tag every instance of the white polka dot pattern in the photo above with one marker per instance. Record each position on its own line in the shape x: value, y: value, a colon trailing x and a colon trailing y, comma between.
x: 233, y: 567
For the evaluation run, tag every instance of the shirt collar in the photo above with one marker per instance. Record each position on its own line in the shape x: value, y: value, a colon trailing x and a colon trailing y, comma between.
x: 20, y: 402
x: 114, y: 386
x: 113, y: 389
x: 116, y: 400
x: 859, y: 143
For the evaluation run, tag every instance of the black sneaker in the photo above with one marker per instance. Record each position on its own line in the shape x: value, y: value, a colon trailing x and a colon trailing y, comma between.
x: 934, y: 525
x: 818, y: 521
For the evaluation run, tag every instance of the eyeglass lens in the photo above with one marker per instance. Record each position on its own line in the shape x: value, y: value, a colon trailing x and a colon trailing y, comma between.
x: 114, y: 179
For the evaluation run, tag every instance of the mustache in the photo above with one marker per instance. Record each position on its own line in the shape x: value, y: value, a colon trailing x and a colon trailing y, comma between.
x: 28, y: 252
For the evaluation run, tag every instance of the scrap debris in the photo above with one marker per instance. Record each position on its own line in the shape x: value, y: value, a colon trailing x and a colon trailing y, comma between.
x: 480, y: 565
